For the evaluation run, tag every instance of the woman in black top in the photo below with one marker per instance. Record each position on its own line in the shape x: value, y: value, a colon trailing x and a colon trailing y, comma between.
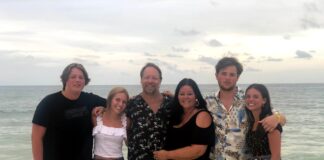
x: 263, y: 145
x: 191, y: 131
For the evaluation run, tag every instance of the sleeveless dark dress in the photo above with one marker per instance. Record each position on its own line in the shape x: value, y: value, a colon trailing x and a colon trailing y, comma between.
x: 189, y: 134
x: 258, y: 143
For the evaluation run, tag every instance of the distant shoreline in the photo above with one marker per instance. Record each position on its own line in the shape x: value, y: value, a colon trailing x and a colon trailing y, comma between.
x: 161, y: 84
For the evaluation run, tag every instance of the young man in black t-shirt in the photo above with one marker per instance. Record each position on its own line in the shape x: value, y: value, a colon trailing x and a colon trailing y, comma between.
x: 62, y: 127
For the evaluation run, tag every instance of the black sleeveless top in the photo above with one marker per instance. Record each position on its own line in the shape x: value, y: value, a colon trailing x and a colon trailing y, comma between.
x: 258, y: 142
x: 189, y: 134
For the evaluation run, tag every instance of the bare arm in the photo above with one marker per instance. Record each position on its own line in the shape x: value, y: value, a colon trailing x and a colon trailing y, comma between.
x: 38, y: 133
x: 270, y: 123
x: 189, y: 152
x: 98, y: 111
x: 275, y: 144
x: 94, y: 120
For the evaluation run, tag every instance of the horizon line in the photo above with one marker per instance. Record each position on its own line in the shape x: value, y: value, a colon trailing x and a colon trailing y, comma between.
x: 161, y: 84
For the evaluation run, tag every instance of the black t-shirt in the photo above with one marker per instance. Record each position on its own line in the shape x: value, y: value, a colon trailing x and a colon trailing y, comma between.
x: 68, y: 125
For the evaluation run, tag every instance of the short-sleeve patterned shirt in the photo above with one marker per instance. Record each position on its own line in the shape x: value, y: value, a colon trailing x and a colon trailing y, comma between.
x: 230, y: 128
x: 148, y: 130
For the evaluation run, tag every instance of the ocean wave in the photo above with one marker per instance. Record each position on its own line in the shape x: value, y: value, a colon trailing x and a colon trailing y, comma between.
x: 17, y: 111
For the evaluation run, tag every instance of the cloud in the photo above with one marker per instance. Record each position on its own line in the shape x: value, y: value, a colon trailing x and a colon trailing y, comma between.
x: 214, y: 43
x: 309, y: 22
x: 303, y: 55
x: 149, y: 54
x: 91, y: 56
x: 246, y: 54
x: 88, y: 45
x: 249, y: 59
x: 261, y: 59
x: 287, y: 37
x: 8, y: 51
x: 187, y: 33
x: 18, y: 33
x: 169, y: 67
x: 311, y: 11
x: 131, y: 61
x: 86, y: 61
x: 231, y: 54
x: 270, y: 59
x: 310, y: 7
x: 213, y: 3
x: 208, y: 60
x: 179, y: 49
x: 173, y: 56
x: 250, y: 69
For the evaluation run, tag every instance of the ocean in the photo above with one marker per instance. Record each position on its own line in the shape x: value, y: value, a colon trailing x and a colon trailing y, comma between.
x: 303, y: 105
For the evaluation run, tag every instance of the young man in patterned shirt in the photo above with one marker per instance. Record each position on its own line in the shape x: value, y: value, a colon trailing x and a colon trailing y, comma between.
x: 228, y: 110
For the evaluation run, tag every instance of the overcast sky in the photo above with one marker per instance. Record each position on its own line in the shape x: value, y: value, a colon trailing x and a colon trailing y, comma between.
x: 278, y: 41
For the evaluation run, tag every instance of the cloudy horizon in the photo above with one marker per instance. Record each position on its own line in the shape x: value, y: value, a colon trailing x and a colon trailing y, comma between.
x: 276, y: 41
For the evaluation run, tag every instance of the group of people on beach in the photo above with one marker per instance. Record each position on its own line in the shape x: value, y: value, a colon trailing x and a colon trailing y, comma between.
x: 228, y: 125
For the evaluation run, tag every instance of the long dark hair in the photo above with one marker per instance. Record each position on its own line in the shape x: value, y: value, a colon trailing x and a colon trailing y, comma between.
x: 266, y: 110
x: 178, y: 111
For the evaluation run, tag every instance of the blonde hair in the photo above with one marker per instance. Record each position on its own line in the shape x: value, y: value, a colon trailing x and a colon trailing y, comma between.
x: 113, y: 92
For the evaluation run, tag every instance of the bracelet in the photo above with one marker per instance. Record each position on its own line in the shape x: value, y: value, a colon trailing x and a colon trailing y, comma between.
x: 277, y: 116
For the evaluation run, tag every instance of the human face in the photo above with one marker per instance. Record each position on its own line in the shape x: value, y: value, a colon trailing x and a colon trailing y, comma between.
x: 187, y: 97
x: 118, y: 103
x: 227, y: 78
x: 75, y: 81
x: 151, y: 81
x: 254, y: 100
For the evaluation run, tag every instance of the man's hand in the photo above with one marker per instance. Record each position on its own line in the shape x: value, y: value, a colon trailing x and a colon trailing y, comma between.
x: 98, y: 111
x: 160, y: 155
x: 269, y: 123
x: 167, y: 93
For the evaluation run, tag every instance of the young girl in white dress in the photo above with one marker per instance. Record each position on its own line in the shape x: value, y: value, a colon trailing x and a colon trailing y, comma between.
x: 110, y: 127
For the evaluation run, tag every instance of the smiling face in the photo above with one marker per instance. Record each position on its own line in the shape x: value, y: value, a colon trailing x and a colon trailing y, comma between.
x: 118, y: 103
x: 151, y: 80
x: 187, y: 97
x: 76, y: 81
x: 254, y: 100
x: 227, y: 78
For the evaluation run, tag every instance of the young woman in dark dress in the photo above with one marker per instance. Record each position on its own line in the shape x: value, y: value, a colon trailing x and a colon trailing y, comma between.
x: 263, y: 145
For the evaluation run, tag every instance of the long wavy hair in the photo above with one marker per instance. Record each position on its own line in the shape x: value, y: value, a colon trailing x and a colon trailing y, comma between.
x: 178, y: 111
x: 113, y: 93
x: 266, y: 110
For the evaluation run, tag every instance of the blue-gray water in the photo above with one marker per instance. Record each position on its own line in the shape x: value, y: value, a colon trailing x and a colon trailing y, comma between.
x: 303, y: 105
